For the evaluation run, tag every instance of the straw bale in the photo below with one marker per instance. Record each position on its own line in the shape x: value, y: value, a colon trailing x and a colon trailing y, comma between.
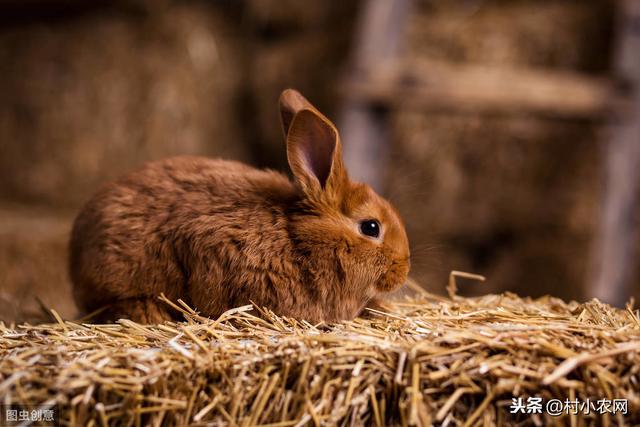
x: 429, y: 359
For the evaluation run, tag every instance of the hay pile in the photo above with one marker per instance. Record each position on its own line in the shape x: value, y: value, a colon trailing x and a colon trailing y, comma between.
x: 450, y: 361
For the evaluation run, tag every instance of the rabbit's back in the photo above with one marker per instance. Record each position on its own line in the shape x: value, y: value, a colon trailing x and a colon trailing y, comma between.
x: 178, y: 226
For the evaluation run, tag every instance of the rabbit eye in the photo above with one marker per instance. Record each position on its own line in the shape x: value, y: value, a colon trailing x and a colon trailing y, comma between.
x: 370, y: 227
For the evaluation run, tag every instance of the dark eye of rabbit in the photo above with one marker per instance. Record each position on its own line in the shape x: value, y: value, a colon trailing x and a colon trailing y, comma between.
x: 370, y: 227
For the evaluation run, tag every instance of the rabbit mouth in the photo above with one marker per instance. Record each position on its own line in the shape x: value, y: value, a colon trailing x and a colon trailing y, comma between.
x: 395, y: 276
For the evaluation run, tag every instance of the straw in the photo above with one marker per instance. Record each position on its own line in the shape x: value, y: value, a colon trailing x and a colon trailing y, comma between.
x: 428, y: 359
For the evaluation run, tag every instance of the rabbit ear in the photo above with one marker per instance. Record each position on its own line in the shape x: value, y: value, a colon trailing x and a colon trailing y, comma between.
x: 315, y: 155
x: 291, y: 101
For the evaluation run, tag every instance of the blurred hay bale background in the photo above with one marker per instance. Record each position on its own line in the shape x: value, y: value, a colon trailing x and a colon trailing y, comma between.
x: 89, y: 91
x: 514, y: 197
x: 95, y: 91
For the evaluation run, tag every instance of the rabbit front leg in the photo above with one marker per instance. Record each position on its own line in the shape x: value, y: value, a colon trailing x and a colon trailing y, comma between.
x: 377, y: 304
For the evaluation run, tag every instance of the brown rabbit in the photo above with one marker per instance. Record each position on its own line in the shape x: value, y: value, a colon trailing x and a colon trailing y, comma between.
x: 219, y: 234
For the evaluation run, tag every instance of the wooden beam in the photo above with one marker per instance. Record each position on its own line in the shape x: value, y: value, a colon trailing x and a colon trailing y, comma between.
x: 364, y: 128
x: 439, y: 86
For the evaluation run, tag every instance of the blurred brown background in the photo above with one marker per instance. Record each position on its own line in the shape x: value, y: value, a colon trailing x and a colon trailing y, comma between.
x: 499, y: 119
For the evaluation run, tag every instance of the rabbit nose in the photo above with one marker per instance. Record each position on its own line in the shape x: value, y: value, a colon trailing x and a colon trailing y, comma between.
x: 395, y: 276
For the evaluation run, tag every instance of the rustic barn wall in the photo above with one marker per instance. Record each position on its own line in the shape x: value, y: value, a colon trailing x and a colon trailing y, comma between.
x: 512, y: 196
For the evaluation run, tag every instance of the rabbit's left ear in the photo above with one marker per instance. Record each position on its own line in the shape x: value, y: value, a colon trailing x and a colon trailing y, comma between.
x: 313, y: 149
x: 291, y: 102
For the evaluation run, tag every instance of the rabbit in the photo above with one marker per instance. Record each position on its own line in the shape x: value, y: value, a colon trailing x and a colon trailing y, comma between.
x: 220, y: 234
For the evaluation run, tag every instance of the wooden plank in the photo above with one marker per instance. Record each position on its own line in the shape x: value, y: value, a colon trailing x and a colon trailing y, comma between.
x: 439, y: 86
